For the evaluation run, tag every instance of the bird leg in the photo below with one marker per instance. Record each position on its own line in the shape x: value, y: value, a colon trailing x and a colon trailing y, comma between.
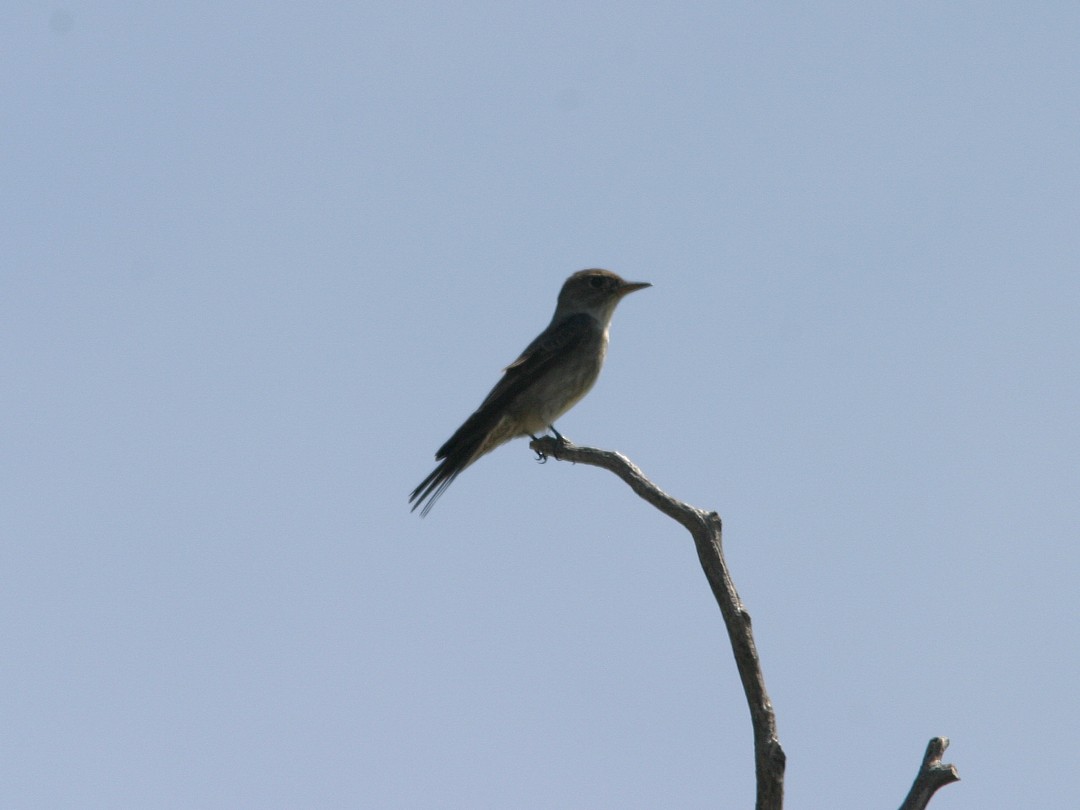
x: 558, y: 435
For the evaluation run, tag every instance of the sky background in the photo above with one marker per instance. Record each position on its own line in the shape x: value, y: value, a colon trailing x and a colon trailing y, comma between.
x: 259, y: 260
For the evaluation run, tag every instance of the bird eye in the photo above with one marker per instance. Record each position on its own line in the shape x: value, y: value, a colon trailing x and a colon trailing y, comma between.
x: 597, y: 282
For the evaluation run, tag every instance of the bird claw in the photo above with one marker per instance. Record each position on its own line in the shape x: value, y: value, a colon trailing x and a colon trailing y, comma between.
x: 541, y: 456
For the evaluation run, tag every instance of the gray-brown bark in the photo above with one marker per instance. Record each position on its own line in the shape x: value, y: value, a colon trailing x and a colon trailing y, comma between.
x: 933, y: 774
x: 706, y: 529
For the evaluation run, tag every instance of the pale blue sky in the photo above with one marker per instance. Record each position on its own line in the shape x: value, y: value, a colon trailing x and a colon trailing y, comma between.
x: 258, y: 261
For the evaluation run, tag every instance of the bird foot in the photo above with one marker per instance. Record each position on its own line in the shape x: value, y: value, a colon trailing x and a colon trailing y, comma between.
x: 562, y: 439
x: 544, y: 450
x: 540, y: 457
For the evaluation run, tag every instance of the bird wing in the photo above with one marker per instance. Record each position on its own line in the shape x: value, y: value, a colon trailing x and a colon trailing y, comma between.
x: 545, y: 351
x: 461, y: 449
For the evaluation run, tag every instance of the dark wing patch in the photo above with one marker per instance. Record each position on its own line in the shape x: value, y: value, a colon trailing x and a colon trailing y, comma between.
x: 460, y: 449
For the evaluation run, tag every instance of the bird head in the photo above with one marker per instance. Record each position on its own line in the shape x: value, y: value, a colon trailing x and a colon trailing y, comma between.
x: 595, y: 292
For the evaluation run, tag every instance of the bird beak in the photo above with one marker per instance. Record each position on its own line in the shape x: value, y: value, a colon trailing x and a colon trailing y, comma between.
x: 630, y: 286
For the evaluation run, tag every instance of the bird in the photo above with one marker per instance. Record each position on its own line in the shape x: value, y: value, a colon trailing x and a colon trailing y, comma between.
x: 554, y: 372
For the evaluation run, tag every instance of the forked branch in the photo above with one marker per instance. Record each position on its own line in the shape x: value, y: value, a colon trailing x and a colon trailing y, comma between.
x: 706, y: 529
x: 933, y: 774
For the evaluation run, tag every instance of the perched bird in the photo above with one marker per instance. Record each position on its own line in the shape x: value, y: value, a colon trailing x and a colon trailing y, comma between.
x: 553, y: 373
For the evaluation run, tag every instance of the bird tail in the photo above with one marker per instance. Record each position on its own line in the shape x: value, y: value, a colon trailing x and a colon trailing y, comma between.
x: 473, y: 439
x: 435, y: 484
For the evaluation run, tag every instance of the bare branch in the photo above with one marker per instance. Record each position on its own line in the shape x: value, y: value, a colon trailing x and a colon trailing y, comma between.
x: 706, y: 529
x: 933, y: 774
